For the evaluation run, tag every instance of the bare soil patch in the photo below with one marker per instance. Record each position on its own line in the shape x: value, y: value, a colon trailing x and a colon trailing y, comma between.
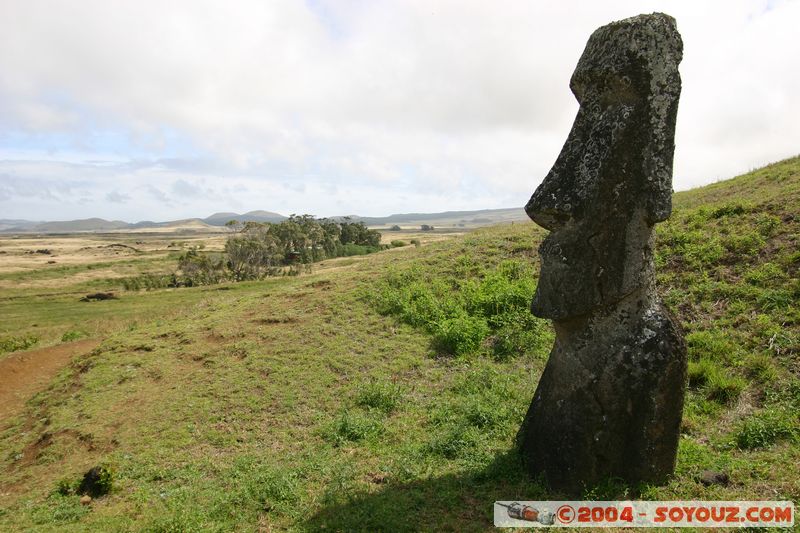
x: 23, y: 374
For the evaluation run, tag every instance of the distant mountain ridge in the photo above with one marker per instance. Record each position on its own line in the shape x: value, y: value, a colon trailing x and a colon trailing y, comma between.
x: 218, y: 220
x: 88, y: 224
x: 100, y: 224
x: 413, y: 217
x: 16, y: 223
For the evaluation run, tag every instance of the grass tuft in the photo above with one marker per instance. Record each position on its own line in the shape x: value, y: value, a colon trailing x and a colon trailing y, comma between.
x: 351, y: 427
x: 381, y: 395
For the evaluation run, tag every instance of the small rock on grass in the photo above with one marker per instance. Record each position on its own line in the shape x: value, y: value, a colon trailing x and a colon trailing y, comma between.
x: 711, y: 477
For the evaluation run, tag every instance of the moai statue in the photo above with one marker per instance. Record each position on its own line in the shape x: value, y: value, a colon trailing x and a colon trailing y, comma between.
x: 609, y: 402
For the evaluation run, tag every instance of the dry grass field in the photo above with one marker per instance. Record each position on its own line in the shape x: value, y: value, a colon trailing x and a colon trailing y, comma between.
x: 42, y: 279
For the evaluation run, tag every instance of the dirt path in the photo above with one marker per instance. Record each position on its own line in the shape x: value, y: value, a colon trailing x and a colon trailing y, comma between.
x: 24, y: 374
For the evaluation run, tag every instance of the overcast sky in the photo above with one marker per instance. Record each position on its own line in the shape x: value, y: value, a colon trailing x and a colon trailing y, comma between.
x: 159, y: 110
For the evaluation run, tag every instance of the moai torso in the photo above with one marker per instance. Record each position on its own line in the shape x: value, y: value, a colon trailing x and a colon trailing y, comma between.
x: 609, y: 402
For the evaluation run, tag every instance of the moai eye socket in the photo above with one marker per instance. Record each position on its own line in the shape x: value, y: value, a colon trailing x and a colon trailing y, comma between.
x: 620, y: 89
x: 605, y: 88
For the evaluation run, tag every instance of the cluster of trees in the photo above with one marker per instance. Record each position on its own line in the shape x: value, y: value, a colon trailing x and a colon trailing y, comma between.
x: 258, y: 249
x: 255, y: 250
x: 424, y: 227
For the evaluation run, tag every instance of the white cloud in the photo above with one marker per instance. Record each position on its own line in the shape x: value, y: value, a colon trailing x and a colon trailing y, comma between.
x: 367, y: 107
x: 117, y: 197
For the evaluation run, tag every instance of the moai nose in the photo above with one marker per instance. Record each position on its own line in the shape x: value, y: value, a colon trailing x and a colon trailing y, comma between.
x: 556, y: 202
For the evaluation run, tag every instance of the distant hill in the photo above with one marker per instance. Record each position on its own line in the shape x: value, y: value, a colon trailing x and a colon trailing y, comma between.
x: 88, y: 224
x: 411, y: 217
x: 482, y: 217
x: 6, y: 224
x: 220, y: 219
x: 99, y: 225
x: 189, y: 225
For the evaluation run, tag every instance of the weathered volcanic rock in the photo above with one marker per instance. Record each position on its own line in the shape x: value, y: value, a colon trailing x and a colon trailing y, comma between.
x: 711, y: 477
x: 609, y: 402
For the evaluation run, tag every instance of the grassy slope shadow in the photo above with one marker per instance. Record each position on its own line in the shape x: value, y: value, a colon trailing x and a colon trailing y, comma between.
x: 453, y: 502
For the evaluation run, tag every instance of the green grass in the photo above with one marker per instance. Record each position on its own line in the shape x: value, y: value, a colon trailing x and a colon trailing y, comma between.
x: 380, y: 395
x: 51, y: 311
x: 11, y: 343
x: 336, y: 400
x: 53, y: 316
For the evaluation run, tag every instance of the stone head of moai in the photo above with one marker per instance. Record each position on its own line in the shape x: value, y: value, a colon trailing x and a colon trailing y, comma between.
x: 609, y: 402
x: 612, y: 180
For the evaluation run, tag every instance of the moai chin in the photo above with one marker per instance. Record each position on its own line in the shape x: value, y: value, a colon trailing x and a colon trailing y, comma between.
x: 609, y: 402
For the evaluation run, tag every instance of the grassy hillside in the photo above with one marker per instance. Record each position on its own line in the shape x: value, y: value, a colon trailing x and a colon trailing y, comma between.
x: 335, y: 401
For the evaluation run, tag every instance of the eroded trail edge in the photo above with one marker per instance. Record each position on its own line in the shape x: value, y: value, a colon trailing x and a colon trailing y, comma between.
x: 26, y: 373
